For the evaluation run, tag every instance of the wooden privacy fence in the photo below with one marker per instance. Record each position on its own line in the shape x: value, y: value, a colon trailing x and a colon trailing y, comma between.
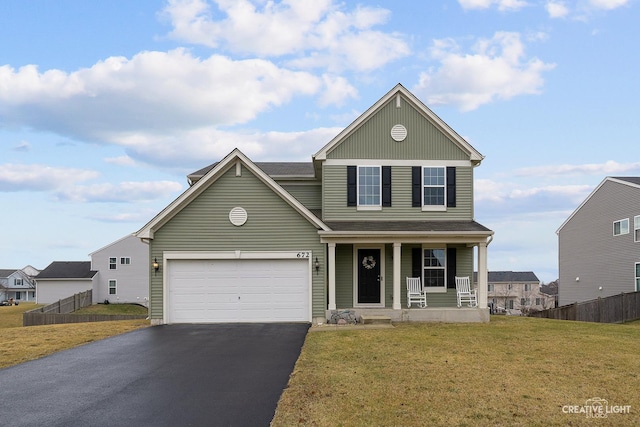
x: 619, y: 308
x: 59, y: 312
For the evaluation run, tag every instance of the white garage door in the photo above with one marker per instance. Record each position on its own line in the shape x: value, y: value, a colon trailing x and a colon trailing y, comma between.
x: 255, y: 290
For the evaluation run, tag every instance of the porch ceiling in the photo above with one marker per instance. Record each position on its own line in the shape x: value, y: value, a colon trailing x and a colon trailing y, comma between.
x: 407, y: 231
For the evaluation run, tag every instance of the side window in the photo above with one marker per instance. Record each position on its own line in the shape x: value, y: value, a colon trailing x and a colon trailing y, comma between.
x: 112, y: 287
x: 125, y: 260
x: 636, y: 228
x: 621, y: 227
x: 113, y: 263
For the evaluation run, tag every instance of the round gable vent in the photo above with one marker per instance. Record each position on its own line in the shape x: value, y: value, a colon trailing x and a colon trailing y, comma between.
x: 398, y: 133
x: 238, y: 216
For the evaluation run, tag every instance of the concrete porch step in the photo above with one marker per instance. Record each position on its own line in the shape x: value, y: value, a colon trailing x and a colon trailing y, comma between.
x: 370, y: 319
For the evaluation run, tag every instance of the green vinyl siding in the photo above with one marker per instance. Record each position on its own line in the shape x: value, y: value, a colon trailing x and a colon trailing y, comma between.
x: 272, y: 225
x: 344, y: 276
x: 372, y: 140
x: 310, y: 195
x: 335, y: 197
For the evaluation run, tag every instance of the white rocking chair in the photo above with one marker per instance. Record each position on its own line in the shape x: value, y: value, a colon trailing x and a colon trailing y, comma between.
x: 465, y: 293
x: 415, y: 292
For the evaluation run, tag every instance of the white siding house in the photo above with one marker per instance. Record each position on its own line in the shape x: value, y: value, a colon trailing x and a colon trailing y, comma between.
x: 123, y: 272
x: 18, y: 284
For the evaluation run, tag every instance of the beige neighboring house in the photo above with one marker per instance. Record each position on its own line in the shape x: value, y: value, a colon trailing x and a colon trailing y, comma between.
x: 517, y: 292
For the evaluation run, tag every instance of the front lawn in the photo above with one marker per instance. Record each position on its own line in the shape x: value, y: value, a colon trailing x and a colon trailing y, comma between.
x: 512, y: 371
x: 19, y: 344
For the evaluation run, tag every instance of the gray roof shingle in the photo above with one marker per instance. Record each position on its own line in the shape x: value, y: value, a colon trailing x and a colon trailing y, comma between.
x: 280, y: 169
x: 510, y: 276
x: 67, y: 270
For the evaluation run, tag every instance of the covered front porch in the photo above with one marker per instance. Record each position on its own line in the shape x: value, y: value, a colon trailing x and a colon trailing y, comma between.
x: 367, y: 268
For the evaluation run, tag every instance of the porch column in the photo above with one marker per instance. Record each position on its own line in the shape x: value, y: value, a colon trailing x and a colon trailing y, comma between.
x: 332, y: 275
x: 483, y: 276
x: 397, y: 280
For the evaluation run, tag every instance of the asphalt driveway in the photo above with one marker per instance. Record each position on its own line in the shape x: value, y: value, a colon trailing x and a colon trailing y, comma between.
x: 172, y: 375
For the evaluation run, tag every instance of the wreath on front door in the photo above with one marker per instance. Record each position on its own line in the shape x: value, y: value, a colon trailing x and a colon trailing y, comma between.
x: 368, y: 262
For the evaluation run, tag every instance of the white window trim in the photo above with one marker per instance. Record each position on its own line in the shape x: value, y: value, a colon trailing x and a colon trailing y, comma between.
x: 377, y: 207
x: 123, y: 258
x: 636, y: 228
x: 114, y: 263
x: 115, y: 287
x: 435, y: 289
x: 621, y: 221
x: 433, y: 208
x: 637, y: 281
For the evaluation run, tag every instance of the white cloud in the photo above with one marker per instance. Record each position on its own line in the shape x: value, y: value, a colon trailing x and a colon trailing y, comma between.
x: 557, y: 9
x: 121, y: 161
x: 495, y: 69
x: 305, y: 33
x: 502, y: 5
x: 23, y: 146
x: 36, y: 177
x: 608, y: 4
x: 125, y: 192
x: 607, y: 168
x: 190, y: 148
x: 153, y: 90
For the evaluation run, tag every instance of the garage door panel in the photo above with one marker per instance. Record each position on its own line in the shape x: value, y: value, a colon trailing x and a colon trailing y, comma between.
x: 211, y: 291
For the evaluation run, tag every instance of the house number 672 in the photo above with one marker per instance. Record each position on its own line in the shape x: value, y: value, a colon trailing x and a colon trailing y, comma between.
x: 304, y: 254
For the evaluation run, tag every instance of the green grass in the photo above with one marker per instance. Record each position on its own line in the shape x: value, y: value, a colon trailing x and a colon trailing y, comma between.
x: 113, y: 309
x: 513, y: 371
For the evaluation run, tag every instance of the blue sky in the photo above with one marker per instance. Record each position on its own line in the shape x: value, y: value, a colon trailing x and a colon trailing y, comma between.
x: 105, y: 106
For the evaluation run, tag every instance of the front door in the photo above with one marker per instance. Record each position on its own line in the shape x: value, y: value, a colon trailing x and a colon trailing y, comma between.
x: 368, y: 276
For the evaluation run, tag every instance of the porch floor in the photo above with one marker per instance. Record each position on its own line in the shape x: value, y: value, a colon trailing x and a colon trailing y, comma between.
x: 428, y: 314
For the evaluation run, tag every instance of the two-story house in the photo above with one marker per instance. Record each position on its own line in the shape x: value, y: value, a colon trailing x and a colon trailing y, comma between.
x: 599, y: 244
x: 122, y: 272
x: 18, y: 284
x: 391, y: 196
x: 517, y: 292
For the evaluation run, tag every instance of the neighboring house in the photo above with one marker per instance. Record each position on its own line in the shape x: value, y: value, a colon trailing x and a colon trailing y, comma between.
x: 390, y: 196
x: 123, y: 272
x: 517, y: 292
x: 18, y: 284
x: 599, y: 244
x: 62, y: 279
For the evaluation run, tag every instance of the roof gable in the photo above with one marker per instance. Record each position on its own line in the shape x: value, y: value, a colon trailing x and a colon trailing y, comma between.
x: 233, y: 159
x: 630, y: 181
x: 401, y: 94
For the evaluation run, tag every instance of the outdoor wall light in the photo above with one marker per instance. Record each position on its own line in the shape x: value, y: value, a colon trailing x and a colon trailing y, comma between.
x: 317, y: 265
x: 156, y: 266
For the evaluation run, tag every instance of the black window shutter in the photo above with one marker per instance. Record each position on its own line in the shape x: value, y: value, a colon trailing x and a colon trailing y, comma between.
x: 352, y: 183
x: 451, y: 267
x: 451, y: 187
x: 416, y: 186
x: 386, y: 186
x: 416, y: 263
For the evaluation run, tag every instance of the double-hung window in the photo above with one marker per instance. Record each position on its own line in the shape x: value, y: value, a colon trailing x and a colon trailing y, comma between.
x: 637, y: 276
x: 621, y: 227
x: 433, y: 187
x: 125, y: 260
x: 434, y: 263
x: 636, y: 228
x: 18, y: 282
x: 112, y: 287
x: 369, y: 186
x: 113, y: 263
